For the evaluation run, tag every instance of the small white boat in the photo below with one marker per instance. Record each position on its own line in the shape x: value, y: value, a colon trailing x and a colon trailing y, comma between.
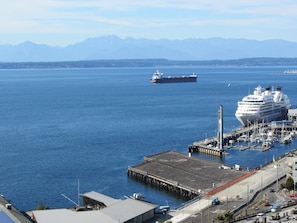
x: 290, y: 72
x: 286, y: 139
x: 266, y: 146
x: 138, y: 196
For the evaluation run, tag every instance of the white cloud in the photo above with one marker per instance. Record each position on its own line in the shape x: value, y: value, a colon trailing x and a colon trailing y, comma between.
x: 148, y: 17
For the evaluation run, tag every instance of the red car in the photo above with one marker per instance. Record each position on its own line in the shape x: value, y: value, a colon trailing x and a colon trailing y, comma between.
x: 266, y: 204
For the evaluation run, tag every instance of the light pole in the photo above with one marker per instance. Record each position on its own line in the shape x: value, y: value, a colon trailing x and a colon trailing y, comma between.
x: 247, y: 199
x: 276, y: 176
x: 208, y: 211
x: 294, y: 174
x: 201, y: 216
x: 294, y: 186
x: 261, y: 187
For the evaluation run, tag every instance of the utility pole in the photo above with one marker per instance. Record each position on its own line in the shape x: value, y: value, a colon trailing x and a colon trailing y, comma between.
x: 220, y: 129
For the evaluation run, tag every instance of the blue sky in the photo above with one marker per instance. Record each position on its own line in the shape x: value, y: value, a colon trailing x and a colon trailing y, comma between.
x: 64, y: 22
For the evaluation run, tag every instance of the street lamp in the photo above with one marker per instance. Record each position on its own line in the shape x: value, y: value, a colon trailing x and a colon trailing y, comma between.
x: 294, y: 180
x: 276, y: 176
x: 201, y: 214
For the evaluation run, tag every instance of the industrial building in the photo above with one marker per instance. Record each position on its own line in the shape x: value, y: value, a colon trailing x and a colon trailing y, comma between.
x: 99, y: 208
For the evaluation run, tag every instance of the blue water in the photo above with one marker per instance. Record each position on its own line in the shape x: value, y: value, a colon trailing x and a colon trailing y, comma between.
x: 61, y: 125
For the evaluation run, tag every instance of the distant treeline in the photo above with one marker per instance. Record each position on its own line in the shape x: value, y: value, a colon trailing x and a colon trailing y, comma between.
x: 150, y: 63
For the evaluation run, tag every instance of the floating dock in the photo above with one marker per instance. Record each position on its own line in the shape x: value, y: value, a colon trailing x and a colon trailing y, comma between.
x: 186, y: 176
x: 211, y: 145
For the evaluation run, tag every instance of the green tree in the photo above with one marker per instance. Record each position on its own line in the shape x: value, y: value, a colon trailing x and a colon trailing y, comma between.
x: 219, y: 217
x: 40, y: 206
x: 289, y: 183
x: 228, y: 216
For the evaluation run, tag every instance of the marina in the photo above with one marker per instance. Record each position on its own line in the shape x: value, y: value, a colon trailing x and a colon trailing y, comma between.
x: 257, y: 136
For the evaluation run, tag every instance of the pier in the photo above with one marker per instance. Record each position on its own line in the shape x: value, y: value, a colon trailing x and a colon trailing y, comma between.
x: 183, y: 175
x: 254, y: 135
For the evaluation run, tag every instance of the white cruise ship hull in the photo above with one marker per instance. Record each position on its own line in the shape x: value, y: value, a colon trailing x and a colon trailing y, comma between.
x: 246, y: 119
x: 263, y: 106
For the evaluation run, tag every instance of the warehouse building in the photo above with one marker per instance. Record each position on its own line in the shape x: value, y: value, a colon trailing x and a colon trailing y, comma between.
x: 99, y: 208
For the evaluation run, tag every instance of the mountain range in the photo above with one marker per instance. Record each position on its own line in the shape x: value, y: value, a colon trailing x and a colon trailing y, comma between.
x: 113, y: 47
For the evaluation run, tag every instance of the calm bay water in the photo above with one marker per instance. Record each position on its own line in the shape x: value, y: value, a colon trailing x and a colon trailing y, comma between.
x: 61, y: 125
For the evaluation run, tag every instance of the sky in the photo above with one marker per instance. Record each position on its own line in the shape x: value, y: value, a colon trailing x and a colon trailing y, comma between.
x: 65, y: 22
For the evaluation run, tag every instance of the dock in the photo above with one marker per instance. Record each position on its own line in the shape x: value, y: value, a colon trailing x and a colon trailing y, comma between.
x: 183, y: 175
x: 233, y: 138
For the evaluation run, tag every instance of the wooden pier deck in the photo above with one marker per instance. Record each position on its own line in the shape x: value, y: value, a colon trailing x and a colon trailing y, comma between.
x: 183, y: 175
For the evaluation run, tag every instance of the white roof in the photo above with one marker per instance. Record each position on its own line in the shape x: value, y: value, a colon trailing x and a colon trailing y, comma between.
x: 67, y: 215
x: 101, y: 197
x: 128, y: 209
x: 116, y: 210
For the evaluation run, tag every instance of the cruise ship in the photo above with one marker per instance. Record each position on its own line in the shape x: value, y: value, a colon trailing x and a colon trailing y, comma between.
x: 263, y: 106
x: 159, y: 78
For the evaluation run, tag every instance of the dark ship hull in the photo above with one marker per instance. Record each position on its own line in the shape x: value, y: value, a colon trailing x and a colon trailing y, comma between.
x: 175, y: 79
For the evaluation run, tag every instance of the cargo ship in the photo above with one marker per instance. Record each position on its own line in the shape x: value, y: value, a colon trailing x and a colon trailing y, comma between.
x: 159, y: 78
x: 263, y: 106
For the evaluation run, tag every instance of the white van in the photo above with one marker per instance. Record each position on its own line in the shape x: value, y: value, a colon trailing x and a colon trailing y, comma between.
x: 260, y: 215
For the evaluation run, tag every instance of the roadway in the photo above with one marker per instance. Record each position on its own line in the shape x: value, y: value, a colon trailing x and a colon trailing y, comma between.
x: 232, y: 197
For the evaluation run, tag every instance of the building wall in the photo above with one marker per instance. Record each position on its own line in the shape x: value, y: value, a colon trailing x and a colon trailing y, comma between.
x: 142, y: 218
x: 292, y: 115
x: 292, y: 167
x: 93, y: 203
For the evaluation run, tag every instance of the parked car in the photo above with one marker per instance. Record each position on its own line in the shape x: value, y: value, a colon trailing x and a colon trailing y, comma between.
x: 277, y: 209
x: 266, y: 204
x: 215, y: 201
x: 292, y: 202
x: 260, y: 215
x: 294, y: 211
x: 276, y: 217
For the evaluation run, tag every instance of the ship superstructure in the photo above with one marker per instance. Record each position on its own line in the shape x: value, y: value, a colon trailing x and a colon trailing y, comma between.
x: 263, y: 106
